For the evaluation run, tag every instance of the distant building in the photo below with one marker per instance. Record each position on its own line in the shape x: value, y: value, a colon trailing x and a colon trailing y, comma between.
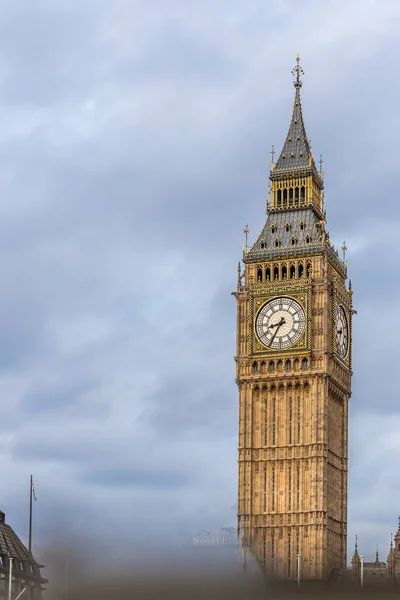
x: 25, y: 570
x: 377, y: 570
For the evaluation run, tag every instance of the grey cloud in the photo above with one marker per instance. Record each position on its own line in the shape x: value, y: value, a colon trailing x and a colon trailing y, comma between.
x: 46, y: 47
x: 183, y: 409
x: 58, y: 400
x: 154, y: 479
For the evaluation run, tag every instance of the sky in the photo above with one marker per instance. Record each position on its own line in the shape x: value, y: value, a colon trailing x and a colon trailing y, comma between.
x: 135, y: 144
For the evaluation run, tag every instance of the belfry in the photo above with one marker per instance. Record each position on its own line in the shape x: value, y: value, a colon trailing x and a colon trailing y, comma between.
x: 293, y: 371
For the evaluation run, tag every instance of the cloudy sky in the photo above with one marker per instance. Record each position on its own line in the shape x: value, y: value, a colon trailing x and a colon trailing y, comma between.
x: 134, y: 147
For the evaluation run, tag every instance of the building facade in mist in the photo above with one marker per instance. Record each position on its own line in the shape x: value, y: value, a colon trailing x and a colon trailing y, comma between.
x: 293, y: 371
x: 25, y: 570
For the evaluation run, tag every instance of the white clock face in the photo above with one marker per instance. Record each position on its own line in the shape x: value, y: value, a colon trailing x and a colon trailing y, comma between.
x: 280, y: 323
x: 342, y: 336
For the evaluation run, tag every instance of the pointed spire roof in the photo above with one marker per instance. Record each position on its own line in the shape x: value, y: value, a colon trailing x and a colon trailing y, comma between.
x: 356, y: 557
x: 377, y: 561
x: 296, y: 151
x: 391, y: 551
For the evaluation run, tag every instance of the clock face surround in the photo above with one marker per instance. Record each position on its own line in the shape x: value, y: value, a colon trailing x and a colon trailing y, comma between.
x: 342, y: 333
x: 280, y: 323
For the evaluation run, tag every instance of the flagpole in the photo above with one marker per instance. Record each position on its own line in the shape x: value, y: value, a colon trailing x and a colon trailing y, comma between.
x: 30, y: 516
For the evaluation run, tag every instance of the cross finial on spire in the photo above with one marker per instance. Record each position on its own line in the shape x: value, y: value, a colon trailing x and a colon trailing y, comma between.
x: 344, y: 248
x: 246, y: 232
x: 297, y: 71
x: 272, y: 154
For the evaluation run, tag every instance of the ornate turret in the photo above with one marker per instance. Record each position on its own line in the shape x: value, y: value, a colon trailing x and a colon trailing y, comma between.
x: 391, y: 558
x: 377, y: 562
x: 356, y: 561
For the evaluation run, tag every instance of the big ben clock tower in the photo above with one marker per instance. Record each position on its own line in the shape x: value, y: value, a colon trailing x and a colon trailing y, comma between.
x: 293, y: 370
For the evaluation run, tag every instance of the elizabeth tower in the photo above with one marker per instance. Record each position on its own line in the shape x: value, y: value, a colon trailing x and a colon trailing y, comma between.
x: 293, y: 370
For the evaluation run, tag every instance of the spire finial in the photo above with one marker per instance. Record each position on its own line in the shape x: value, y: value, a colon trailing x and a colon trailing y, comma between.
x: 297, y: 71
x: 356, y: 544
x: 272, y: 154
x: 246, y: 232
x: 321, y: 162
x: 344, y: 248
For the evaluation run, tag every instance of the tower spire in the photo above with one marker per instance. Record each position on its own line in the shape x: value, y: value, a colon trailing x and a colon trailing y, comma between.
x: 296, y: 151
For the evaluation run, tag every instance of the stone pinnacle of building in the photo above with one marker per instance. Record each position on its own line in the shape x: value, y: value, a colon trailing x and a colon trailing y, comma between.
x: 296, y: 151
x: 356, y: 557
x: 391, y: 551
x: 377, y: 563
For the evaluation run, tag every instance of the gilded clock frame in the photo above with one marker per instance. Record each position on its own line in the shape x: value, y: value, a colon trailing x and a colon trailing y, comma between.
x: 340, y: 300
x: 259, y: 299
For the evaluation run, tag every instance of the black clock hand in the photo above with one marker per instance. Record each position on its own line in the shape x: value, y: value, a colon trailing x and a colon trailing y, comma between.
x: 281, y: 322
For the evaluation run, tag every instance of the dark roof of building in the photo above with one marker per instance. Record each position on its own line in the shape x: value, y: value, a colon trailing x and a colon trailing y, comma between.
x: 11, y: 546
x: 296, y: 149
x: 298, y: 225
x: 302, y: 222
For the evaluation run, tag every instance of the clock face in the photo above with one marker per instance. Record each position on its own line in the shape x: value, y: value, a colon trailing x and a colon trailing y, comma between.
x: 342, y: 335
x: 280, y: 323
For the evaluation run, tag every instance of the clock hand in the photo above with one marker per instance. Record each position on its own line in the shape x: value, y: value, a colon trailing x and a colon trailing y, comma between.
x: 281, y: 322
